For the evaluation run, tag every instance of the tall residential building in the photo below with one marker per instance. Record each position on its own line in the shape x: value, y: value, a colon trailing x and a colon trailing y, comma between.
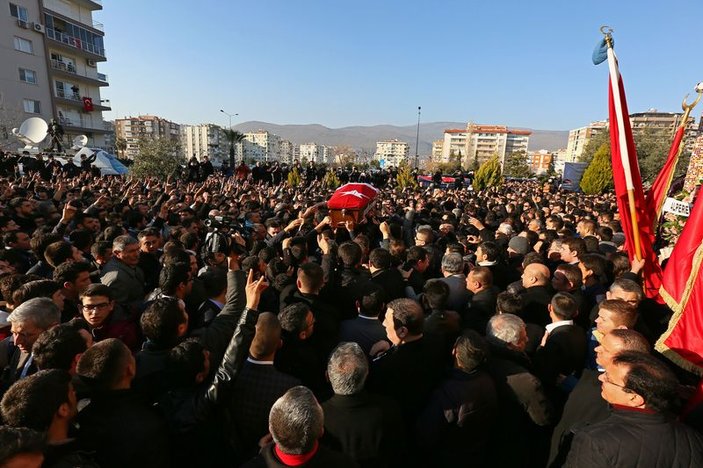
x: 437, y: 146
x: 319, y: 154
x: 667, y: 123
x: 454, y: 144
x: 391, y: 153
x: 539, y: 161
x: 261, y: 146
x: 49, y: 59
x: 288, y: 152
x: 485, y: 141
x: 132, y: 129
x: 579, y: 138
x: 204, y: 140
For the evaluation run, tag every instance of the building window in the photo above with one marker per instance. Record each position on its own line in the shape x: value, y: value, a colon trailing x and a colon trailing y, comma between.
x: 23, y: 45
x: 18, y: 12
x: 31, y: 106
x: 28, y: 76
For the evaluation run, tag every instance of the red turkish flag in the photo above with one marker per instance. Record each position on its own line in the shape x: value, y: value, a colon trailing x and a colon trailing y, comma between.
x: 87, y: 104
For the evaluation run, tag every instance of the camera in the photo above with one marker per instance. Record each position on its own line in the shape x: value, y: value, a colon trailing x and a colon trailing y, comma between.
x: 219, y: 222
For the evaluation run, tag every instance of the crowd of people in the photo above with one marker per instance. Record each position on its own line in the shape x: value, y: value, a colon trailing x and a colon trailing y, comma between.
x: 229, y: 321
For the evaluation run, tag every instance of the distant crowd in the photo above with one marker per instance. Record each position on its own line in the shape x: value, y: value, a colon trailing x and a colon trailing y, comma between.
x: 222, y: 318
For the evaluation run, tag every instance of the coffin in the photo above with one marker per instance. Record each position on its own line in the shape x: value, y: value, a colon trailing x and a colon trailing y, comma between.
x: 351, y: 202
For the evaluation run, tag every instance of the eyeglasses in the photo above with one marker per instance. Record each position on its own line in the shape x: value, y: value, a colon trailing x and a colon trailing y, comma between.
x: 606, y: 379
x: 93, y: 307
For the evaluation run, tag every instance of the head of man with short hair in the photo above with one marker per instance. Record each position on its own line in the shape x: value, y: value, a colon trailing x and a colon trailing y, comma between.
x: 567, y: 278
x: 452, y: 264
x: 297, y: 320
x: 424, y: 236
x: 101, y: 252
x: 40, y: 288
x: 535, y: 274
x: 62, y: 251
x: 572, y: 249
x: 347, y: 369
x: 470, y: 351
x: 563, y: 307
x: 626, y: 290
x: 487, y: 252
x: 371, y: 300
x: 175, y: 280
x: 21, y: 447
x: 311, y: 278
x: 149, y: 240
x: 107, y: 365
x: 509, y: 303
x: 59, y: 348
x: 404, y: 321
x: 615, y: 313
x: 96, y: 304
x: 418, y: 258
x: 44, y: 401
x: 379, y: 259
x: 639, y: 380
x: 350, y: 254
x: 435, y: 295
x: 296, y: 421
x: 31, y: 319
x: 126, y: 249
x: 267, y: 339
x: 618, y: 340
x: 479, y: 279
x: 73, y: 277
x: 507, y: 330
x: 164, y: 322
x: 188, y: 363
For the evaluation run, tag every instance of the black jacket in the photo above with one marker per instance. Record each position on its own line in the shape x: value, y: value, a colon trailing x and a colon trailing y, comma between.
x: 391, y: 281
x: 563, y: 353
x: 324, y: 458
x: 191, y: 412
x: 534, y: 304
x: 367, y: 427
x: 636, y: 439
x: 480, y: 309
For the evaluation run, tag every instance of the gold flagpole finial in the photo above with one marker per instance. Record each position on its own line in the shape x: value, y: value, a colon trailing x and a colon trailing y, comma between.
x: 607, y: 31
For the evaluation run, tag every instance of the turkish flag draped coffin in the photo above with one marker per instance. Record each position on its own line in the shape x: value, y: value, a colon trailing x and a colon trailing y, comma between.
x: 350, y: 202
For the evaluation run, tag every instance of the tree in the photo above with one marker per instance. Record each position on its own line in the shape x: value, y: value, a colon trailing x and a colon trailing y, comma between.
x: 294, y: 178
x: 594, y: 143
x: 405, y: 177
x: 598, y: 176
x: 121, y: 147
x: 159, y: 157
x: 516, y: 165
x: 331, y: 181
x: 233, y: 137
x: 344, y: 155
x: 652, y: 149
x: 488, y: 175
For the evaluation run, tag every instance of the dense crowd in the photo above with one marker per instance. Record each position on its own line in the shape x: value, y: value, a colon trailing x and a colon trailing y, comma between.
x: 229, y: 321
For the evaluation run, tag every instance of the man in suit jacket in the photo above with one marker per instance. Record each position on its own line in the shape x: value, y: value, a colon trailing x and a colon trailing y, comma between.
x: 259, y: 385
x: 482, y: 305
x: 123, y: 275
x: 384, y: 275
x: 453, y: 271
x: 488, y: 255
x: 27, y: 322
x: 537, y: 294
x: 564, y: 347
x: 365, y: 426
x: 366, y: 330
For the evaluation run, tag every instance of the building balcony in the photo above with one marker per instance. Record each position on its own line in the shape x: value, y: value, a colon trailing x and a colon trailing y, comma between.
x: 69, y: 70
x: 75, y: 99
x: 90, y: 4
x: 83, y: 125
x: 74, y: 43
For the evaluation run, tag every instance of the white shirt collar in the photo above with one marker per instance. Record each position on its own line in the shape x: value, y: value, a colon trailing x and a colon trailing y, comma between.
x: 368, y: 318
x: 550, y: 327
x: 261, y: 363
x: 487, y: 263
x: 217, y: 303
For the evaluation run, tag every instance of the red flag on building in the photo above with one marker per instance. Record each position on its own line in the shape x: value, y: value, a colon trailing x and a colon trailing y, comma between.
x: 660, y: 188
x: 87, y: 104
x: 682, y: 290
x: 634, y: 218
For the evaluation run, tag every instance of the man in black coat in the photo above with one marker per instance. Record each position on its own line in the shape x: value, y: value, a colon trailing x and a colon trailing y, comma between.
x: 367, y: 427
x: 383, y: 274
x: 585, y: 405
x: 563, y: 350
x: 525, y: 413
x: 412, y: 367
x: 116, y: 425
x: 461, y: 417
x: 488, y: 255
x: 366, y: 329
x: 537, y: 294
x: 482, y: 305
x: 640, y: 431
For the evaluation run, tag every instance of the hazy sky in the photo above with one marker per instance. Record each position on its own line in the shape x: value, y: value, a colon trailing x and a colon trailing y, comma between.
x: 367, y: 62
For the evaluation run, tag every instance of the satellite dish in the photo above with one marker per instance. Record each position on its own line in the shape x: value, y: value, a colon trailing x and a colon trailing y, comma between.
x: 79, y: 142
x: 32, y: 132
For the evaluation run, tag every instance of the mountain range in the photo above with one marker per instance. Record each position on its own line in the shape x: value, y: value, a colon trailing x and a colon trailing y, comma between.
x: 364, y: 138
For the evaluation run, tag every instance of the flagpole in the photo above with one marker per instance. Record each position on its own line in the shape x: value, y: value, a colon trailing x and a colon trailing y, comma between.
x: 624, y: 155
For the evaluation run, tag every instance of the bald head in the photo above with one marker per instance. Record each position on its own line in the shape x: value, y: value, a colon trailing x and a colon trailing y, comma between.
x: 267, y: 338
x: 535, y: 274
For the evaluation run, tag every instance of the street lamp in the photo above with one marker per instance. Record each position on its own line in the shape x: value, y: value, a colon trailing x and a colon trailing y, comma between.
x: 417, y: 139
x: 230, y: 117
x: 231, y: 142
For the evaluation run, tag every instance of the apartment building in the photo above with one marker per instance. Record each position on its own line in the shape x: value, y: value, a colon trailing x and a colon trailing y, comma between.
x: 204, y: 140
x: 50, y: 66
x: 391, y: 153
x: 132, y: 129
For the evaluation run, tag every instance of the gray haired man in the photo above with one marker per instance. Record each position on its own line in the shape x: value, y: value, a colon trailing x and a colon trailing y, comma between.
x: 27, y: 321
